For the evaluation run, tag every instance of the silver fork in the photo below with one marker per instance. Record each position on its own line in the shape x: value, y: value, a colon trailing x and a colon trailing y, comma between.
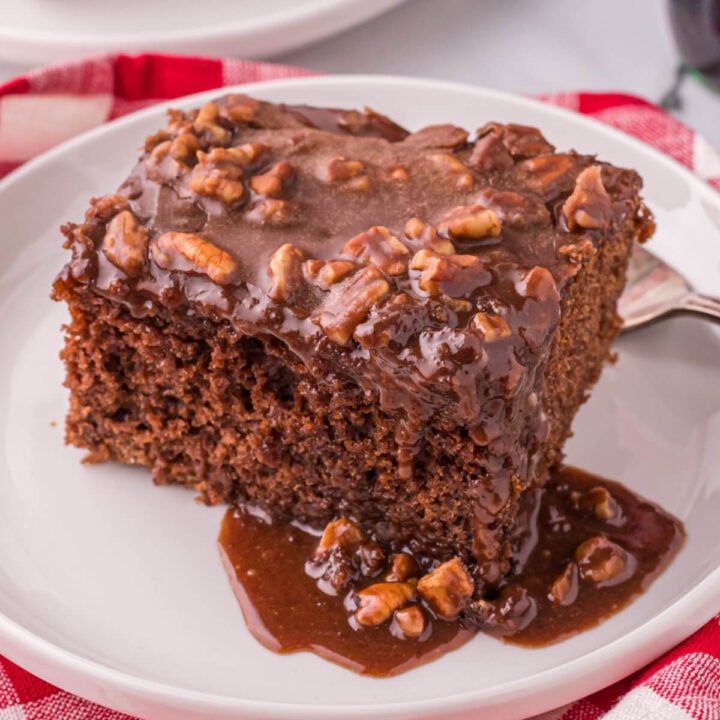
x: 654, y: 290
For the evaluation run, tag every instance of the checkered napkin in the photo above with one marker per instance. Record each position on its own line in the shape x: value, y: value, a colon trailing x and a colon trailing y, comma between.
x: 50, y: 105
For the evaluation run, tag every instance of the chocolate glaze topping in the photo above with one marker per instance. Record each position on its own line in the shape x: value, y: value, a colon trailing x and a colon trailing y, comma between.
x: 584, y: 548
x: 426, y: 267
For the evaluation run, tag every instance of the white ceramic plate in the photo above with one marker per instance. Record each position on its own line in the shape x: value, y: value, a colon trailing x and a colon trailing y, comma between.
x: 112, y: 588
x: 41, y: 31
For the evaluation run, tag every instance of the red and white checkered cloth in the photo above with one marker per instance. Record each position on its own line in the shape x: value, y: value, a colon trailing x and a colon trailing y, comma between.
x: 50, y: 105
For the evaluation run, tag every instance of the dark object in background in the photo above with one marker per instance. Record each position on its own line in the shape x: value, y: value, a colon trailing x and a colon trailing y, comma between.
x: 696, y: 28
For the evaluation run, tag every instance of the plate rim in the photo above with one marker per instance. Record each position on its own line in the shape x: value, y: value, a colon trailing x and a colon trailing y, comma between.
x: 36, y: 42
x: 643, y: 643
x: 371, y: 79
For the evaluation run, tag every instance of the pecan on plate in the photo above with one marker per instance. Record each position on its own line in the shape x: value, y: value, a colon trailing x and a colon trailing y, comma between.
x: 448, y: 589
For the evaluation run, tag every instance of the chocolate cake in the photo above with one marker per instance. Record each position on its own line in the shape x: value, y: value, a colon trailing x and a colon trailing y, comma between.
x: 321, y: 314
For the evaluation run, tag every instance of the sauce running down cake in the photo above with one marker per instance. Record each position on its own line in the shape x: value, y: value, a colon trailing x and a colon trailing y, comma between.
x: 318, y: 314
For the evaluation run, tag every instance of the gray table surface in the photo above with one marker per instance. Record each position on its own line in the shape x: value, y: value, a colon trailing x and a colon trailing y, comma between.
x: 524, y: 46
x: 521, y: 46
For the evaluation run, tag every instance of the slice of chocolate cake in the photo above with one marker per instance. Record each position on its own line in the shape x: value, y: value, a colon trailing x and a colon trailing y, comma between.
x: 321, y: 314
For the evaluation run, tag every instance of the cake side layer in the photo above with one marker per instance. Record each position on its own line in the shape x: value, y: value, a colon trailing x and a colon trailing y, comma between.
x: 583, y: 342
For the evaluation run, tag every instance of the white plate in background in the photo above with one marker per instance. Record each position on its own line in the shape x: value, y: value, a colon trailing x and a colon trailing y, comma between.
x: 42, y: 31
x: 112, y: 588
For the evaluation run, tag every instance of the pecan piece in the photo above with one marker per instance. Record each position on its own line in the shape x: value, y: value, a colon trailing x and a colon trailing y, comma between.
x: 342, y: 554
x: 217, y: 184
x: 161, y: 165
x: 339, y: 168
x: 379, y: 247
x: 377, y: 603
x: 184, y: 147
x: 402, y: 567
x: 333, y: 271
x: 457, y: 305
x: 438, y: 136
x: 411, y: 621
x: 178, y: 122
x: 448, y: 589
x: 370, y: 123
x: 597, y: 501
x: 343, y: 534
x: 240, y: 108
x: 234, y: 157
x: 507, y: 614
x: 491, y: 128
x: 359, y: 184
x: 125, y: 243
x: 645, y: 222
x: 187, y: 251
x: 524, y: 141
x: 273, y: 212
x: 603, y: 562
x: 603, y: 503
x: 415, y: 228
x: 577, y: 252
x: 312, y: 268
x: 398, y: 173
x: 451, y: 275
x: 152, y: 141
x: 206, y: 124
x: 546, y: 173
x: 286, y: 272
x: 470, y: 222
x: 519, y: 140
x: 490, y: 153
x: 272, y: 182
x: 494, y: 327
x: 539, y: 284
x: 105, y: 208
x: 348, y: 305
x: 245, y: 154
x: 159, y: 152
x: 422, y: 259
x: 427, y: 237
x: 218, y: 175
x: 328, y: 272
x: 589, y: 205
x: 454, y: 167
x: 372, y: 559
x: 513, y: 208
x: 350, y: 173
x: 565, y: 587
